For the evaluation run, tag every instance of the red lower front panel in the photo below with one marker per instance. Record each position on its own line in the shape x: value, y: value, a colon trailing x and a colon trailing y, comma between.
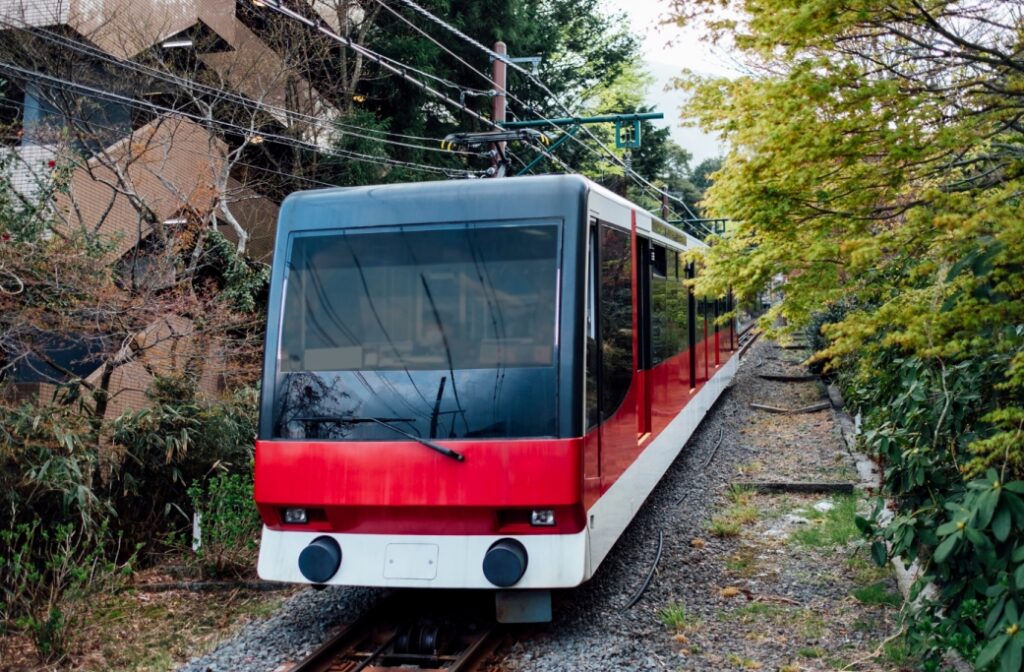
x: 403, y: 487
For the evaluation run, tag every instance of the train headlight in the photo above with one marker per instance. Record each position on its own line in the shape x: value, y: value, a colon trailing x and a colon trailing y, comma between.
x: 296, y: 516
x: 542, y: 517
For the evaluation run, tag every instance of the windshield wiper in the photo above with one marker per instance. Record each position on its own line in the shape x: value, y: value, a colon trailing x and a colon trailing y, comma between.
x: 386, y: 422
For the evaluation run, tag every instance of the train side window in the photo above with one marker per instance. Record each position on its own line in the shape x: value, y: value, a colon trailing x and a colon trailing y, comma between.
x: 689, y: 273
x: 591, y: 417
x: 659, y: 261
x: 615, y: 300
x: 669, y: 311
x: 662, y: 294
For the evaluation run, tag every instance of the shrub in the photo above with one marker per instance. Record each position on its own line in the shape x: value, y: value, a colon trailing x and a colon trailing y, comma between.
x: 47, y: 574
x: 181, y: 439
x: 230, y: 523
x: 960, y: 505
x: 816, y: 339
x: 78, y: 495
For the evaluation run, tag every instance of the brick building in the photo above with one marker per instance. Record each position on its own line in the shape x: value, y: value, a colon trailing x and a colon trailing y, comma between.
x: 104, y: 90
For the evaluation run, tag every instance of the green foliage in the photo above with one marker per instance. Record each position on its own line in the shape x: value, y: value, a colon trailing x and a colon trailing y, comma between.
x: 584, y: 49
x: 180, y: 439
x: 894, y: 202
x: 674, y: 616
x: 229, y: 523
x: 816, y: 339
x: 49, y: 467
x: 878, y: 593
x: 243, y: 282
x: 47, y: 574
x: 69, y: 501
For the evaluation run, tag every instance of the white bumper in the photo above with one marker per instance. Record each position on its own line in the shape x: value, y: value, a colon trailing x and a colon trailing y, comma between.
x: 427, y: 561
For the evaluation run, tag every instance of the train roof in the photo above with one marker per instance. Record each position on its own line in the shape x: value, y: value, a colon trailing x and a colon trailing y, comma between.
x: 418, y: 202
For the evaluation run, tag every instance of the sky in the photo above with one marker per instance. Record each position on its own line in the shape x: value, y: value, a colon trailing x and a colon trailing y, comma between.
x: 667, y: 51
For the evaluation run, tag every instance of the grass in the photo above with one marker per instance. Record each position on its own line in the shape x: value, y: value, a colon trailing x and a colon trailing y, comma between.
x: 756, y: 610
x: 834, y: 527
x: 806, y: 623
x: 738, y: 513
x: 897, y: 652
x: 750, y: 468
x: 674, y: 616
x: 722, y: 526
x: 151, y: 632
x: 810, y: 652
x: 878, y: 593
x: 864, y: 570
x: 743, y: 562
x: 740, y: 495
x: 741, y: 661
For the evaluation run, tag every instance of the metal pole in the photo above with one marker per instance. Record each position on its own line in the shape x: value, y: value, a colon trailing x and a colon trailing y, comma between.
x: 573, y: 121
x: 540, y: 157
x: 498, y: 102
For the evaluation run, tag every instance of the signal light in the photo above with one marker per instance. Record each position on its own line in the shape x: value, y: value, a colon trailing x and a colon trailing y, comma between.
x: 296, y: 516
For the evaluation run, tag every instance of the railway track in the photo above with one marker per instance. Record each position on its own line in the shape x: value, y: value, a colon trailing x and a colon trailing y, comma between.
x: 413, y: 630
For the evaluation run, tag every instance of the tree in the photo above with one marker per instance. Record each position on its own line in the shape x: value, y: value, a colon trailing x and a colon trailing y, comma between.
x: 877, y: 167
x: 583, y: 50
x: 701, y: 176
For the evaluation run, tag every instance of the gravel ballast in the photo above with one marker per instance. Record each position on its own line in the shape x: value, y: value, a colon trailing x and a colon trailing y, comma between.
x: 303, y: 622
x: 753, y: 599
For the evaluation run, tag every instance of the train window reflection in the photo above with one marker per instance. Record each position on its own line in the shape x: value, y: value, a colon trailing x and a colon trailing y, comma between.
x: 669, y: 310
x: 462, y: 297
x: 616, y: 318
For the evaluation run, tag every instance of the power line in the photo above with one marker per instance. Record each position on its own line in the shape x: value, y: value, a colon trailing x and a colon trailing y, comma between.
x: 388, y: 64
x: 186, y: 150
x: 493, y: 54
x: 435, y: 41
x: 239, y: 99
x: 247, y: 132
x: 476, y: 71
x: 395, y: 67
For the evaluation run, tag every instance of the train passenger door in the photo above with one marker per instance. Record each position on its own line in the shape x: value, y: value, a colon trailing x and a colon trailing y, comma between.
x: 610, y: 362
x: 642, y: 347
x: 591, y: 358
x: 691, y: 311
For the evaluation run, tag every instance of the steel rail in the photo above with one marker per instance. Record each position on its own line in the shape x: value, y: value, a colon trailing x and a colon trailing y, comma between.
x: 372, y: 642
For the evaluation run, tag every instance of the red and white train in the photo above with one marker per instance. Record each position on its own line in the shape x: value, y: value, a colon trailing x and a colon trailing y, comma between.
x: 474, y: 384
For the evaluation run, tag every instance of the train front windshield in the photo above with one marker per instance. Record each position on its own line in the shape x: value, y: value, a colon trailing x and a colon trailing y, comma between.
x: 432, y: 331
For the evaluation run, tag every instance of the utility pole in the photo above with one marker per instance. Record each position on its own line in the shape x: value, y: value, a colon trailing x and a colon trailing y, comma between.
x: 498, y: 70
x: 664, y: 204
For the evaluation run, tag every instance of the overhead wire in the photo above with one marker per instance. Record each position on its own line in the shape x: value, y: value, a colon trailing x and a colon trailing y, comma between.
x: 234, y: 97
x: 185, y: 149
x: 472, y: 69
x: 629, y: 172
x: 391, y: 65
x: 224, y: 125
x: 387, y: 63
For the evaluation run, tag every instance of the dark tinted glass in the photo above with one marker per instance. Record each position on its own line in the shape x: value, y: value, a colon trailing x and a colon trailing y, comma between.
x: 616, y: 312
x: 592, y: 412
x: 440, y: 333
x: 700, y: 318
x: 464, y: 298
x: 669, y: 311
